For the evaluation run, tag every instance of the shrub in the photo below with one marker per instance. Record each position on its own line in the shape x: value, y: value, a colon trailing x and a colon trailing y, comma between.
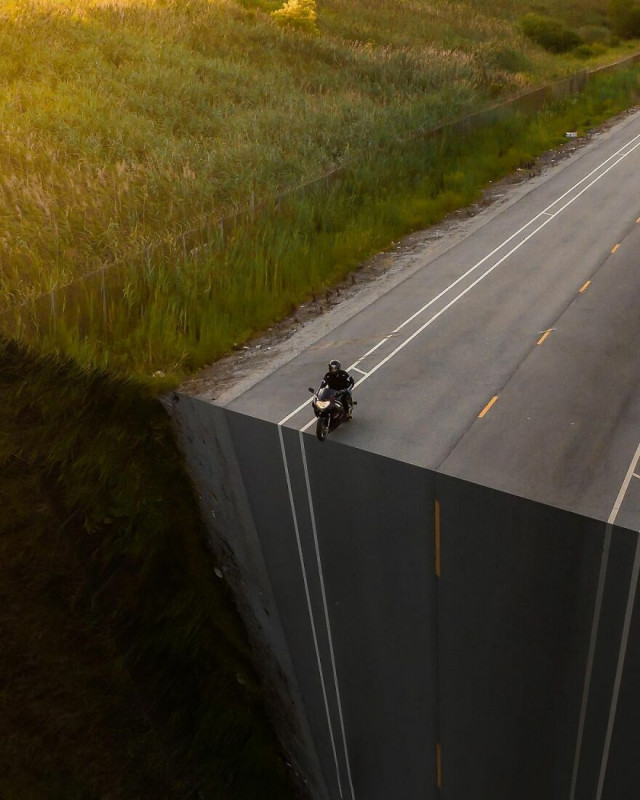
x: 625, y: 18
x: 507, y: 58
x: 299, y: 13
x: 549, y: 33
x: 584, y: 51
x: 590, y: 50
x: 596, y: 34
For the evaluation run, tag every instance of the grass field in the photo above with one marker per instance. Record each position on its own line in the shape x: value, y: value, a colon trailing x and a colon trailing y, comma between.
x: 132, y: 127
x: 192, y: 298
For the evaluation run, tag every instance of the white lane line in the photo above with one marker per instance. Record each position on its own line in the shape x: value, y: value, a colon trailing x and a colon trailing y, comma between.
x: 545, y: 212
x: 489, y: 271
x: 459, y: 296
x: 621, y: 657
x: 590, y: 657
x: 326, y: 611
x: 633, y: 144
x: 313, y: 626
x: 373, y: 350
x: 362, y: 372
x: 308, y: 425
x: 625, y: 485
x: 624, y: 639
x: 596, y: 617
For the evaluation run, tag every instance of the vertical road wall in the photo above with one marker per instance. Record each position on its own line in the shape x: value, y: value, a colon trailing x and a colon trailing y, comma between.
x: 203, y: 435
x: 433, y: 638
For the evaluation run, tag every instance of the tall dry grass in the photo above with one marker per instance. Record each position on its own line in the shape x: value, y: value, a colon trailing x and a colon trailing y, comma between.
x: 130, y: 127
x: 125, y: 122
x: 179, y: 306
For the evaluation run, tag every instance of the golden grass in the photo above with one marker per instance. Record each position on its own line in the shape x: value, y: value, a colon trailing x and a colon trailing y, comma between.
x: 126, y: 122
x: 130, y: 128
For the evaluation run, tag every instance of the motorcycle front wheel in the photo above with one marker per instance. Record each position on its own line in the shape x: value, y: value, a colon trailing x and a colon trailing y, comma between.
x: 322, y: 428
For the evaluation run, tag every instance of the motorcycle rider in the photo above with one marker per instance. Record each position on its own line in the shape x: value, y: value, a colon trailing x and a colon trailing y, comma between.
x: 340, y: 381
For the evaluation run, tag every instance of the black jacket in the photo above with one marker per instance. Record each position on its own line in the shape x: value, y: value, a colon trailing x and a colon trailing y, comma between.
x: 339, y: 380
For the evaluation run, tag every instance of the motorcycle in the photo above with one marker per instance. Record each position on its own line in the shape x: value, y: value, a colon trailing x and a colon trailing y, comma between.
x: 329, y: 410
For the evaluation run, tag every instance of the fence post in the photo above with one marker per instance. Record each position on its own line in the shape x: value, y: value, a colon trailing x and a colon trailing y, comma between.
x: 103, y: 291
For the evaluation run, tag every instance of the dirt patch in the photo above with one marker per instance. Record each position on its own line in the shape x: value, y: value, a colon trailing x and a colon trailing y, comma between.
x: 266, y: 351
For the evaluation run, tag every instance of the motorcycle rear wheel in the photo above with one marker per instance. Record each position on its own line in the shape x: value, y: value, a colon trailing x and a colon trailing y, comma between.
x: 322, y: 428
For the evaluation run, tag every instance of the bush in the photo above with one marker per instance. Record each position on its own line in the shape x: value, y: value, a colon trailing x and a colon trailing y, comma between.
x: 507, y: 58
x: 549, y: 33
x: 299, y: 13
x: 589, y: 50
x: 625, y: 18
x: 596, y: 34
x: 598, y: 49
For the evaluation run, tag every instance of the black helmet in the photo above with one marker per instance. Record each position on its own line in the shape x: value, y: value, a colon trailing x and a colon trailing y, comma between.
x: 335, y: 366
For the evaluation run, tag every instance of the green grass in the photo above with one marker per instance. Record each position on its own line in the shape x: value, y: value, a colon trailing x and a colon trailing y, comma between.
x: 127, y: 123
x: 122, y: 652
x: 131, y: 129
x: 191, y: 300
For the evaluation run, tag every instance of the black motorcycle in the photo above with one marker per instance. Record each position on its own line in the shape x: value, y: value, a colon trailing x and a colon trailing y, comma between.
x: 329, y: 409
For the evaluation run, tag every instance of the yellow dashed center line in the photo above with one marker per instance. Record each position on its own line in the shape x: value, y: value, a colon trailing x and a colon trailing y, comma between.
x: 437, y: 538
x: 487, y: 407
x: 615, y: 248
x: 586, y: 285
x: 544, y: 336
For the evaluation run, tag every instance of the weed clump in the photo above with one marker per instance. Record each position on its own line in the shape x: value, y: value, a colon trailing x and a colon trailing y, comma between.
x: 625, y: 18
x: 298, y: 13
x: 554, y: 35
x: 596, y: 34
x: 589, y: 50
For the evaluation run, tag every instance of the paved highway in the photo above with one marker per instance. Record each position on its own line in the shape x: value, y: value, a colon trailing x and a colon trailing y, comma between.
x: 432, y: 352
x: 508, y: 361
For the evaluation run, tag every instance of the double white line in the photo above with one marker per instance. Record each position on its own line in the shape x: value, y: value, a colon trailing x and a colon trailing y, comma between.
x: 546, y: 215
x: 534, y: 226
x: 604, y: 561
x: 325, y: 609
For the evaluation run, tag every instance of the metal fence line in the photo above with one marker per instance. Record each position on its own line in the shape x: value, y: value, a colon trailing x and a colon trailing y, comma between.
x: 190, y: 243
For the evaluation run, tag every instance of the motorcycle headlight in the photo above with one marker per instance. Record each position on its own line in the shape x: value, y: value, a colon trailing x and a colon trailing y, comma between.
x: 322, y: 404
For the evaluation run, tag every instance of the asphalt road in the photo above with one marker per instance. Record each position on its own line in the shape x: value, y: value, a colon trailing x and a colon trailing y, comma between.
x: 509, y: 362
x: 431, y: 353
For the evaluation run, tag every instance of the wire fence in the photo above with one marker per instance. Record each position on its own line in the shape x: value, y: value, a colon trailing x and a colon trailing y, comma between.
x: 100, y: 291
